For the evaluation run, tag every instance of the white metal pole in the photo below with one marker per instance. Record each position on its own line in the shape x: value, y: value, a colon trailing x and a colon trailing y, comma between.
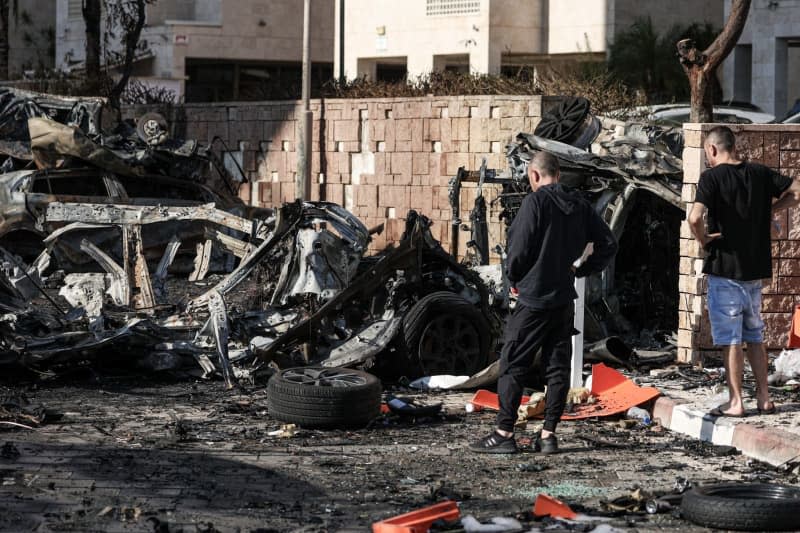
x: 576, y: 376
x: 576, y: 379
x: 304, y: 150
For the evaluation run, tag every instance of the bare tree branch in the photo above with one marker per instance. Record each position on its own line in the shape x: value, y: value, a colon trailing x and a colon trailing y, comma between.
x: 132, y: 24
x: 701, y: 67
x: 725, y: 41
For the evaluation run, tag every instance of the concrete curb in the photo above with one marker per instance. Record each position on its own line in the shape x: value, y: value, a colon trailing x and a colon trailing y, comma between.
x: 768, y: 444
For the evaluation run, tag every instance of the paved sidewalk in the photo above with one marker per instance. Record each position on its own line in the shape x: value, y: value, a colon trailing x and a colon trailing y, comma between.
x: 773, y: 439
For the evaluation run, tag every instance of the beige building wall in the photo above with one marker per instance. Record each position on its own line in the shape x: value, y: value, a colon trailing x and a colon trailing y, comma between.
x: 493, y: 33
x: 763, y: 67
x: 377, y: 157
x: 391, y: 31
x: 233, y: 30
x: 579, y: 26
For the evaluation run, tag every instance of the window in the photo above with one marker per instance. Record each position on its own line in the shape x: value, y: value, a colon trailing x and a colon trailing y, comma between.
x: 41, y: 185
x: 155, y: 188
x: 453, y: 7
x: 74, y: 9
x: 70, y: 185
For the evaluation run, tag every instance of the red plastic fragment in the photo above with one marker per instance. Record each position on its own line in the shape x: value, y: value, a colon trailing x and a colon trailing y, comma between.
x: 794, y: 330
x: 418, y: 521
x: 614, y: 393
x: 548, y: 506
x: 489, y: 400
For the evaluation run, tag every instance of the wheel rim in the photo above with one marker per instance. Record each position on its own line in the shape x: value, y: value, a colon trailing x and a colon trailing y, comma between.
x: 325, y: 377
x: 562, y: 123
x: 450, y: 344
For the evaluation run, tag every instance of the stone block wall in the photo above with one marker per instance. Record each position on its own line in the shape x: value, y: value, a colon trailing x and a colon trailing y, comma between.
x: 377, y: 157
x: 774, y: 145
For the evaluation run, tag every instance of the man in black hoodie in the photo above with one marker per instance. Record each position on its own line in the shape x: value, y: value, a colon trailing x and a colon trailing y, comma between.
x: 548, y: 235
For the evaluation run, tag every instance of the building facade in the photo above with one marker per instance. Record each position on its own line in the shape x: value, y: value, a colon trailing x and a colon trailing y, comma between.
x: 213, y: 50
x: 764, y: 67
x: 385, y: 39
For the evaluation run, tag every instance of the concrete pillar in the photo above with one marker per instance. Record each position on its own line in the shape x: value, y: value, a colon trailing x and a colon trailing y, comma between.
x: 763, y: 52
x: 485, y: 59
x: 781, y: 74
x: 338, y: 67
x: 419, y: 64
x: 742, y: 73
x: 770, y: 60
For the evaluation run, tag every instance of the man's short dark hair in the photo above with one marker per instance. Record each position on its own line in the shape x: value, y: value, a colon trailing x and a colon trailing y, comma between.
x: 722, y: 137
x: 546, y: 163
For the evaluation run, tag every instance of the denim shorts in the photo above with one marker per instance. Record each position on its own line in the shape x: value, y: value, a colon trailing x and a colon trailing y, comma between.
x: 734, y: 308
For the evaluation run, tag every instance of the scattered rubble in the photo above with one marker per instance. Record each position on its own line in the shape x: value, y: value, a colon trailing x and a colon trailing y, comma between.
x: 103, y: 220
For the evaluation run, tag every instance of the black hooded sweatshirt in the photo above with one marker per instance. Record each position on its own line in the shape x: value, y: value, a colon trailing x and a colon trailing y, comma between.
x: 551, y: 231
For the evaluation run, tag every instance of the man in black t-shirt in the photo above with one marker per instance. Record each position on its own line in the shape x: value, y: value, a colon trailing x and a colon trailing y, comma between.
x: 736, y: 198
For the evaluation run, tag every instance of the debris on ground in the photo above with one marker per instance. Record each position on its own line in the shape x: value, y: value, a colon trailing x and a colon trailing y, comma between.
x: 787, y: 368
x: 123, y: 243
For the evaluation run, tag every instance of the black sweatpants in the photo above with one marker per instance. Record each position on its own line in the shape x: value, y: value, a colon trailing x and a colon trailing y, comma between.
x: 528, y: 330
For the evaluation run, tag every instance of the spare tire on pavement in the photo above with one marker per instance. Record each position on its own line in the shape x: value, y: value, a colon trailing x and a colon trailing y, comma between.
x: 324, y: 397
x: 743, y: 506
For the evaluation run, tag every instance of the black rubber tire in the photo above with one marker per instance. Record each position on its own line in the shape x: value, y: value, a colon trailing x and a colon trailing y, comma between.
x: 744, y: 507
x: 324, y: 406
x: 437, y: 305
x: 566, y: 122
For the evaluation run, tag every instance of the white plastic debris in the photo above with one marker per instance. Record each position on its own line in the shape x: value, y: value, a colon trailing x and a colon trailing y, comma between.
x: 787, y: 367
x: 497, y: 524
x: 287, y: 431
x: 443, y: 381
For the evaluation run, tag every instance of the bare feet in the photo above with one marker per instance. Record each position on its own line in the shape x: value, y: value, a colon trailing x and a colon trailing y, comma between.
x: 764, y: 404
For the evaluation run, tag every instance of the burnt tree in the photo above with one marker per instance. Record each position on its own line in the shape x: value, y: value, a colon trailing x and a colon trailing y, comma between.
x: 701, y: 66
x: 92, y: 13
x: 129, y: 17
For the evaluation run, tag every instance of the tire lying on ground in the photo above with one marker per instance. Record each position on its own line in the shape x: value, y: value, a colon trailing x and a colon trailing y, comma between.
x: 744, y: 507
x: 324, y: 397
x: 446, y: 334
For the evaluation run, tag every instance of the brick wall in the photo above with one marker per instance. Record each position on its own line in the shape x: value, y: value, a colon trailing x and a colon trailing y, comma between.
x: 377, y: 157
x: 777, y: 146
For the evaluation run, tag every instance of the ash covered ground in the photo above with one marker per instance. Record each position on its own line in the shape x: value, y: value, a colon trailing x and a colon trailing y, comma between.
x: 121, y: 452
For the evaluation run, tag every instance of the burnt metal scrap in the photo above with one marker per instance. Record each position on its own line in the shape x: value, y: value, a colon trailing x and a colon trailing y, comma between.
x: 115, y: 248
x: 323, y: 301
x: 612, y: 163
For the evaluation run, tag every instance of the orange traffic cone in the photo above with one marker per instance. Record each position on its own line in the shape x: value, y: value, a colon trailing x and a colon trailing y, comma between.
x: 794, y: 330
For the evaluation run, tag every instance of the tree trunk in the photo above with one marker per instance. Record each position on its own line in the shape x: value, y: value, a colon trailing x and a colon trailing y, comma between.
x: 91, y: 17
x: 5, y: 17
x: 701, y: 67
x: 131, y: 41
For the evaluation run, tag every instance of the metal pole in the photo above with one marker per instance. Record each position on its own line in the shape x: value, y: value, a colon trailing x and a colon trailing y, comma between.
x: 341, y: 39
x: 576, y: 376
x: 576, y: 379
x: 304, y: 149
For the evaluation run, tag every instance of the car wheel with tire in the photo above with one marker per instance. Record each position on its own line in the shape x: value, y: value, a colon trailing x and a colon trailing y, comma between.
x: 446, y: 334
x: 324, y: 397
x: 744, y: 507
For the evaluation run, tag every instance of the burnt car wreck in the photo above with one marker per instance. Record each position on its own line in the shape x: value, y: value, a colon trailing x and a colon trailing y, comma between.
x: 122, y: 247
x: 633, y: 176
